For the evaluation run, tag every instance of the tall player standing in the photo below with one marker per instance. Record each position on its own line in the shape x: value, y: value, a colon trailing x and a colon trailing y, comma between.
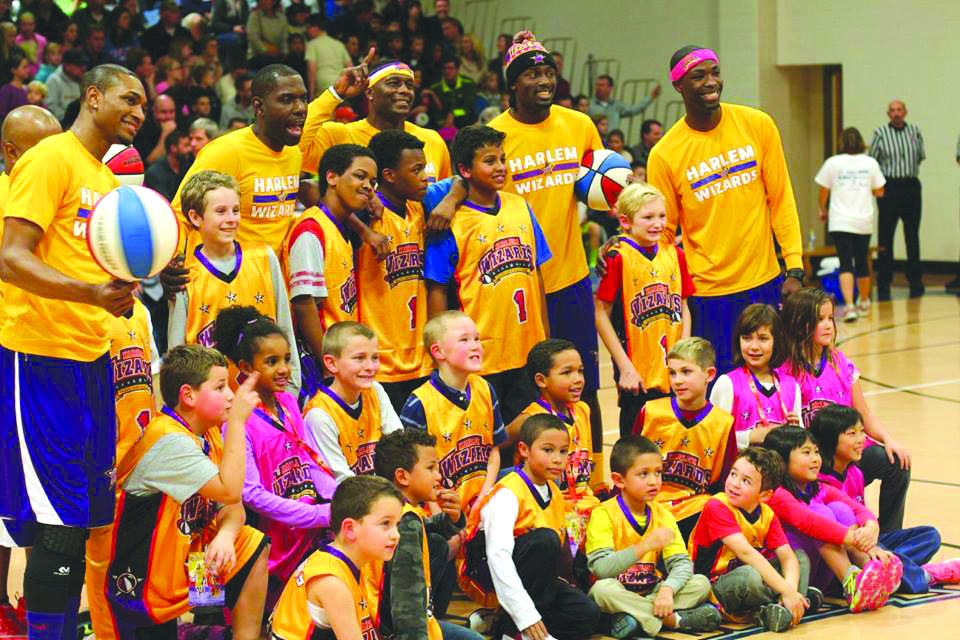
x: 543, y: 147
x: 722, y: 172
x: 57, y: 418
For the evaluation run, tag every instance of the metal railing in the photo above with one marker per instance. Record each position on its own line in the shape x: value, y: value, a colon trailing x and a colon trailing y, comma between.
x: 479, y: 18
x: 567, y: 47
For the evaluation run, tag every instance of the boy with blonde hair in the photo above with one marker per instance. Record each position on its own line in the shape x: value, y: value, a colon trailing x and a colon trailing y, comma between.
x: 641, y: 302
x: 223, y: 271
x: 697, y: 439
x: 350, y: 411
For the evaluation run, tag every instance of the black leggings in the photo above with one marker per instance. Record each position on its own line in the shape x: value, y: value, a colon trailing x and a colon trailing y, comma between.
x: 852, y: 248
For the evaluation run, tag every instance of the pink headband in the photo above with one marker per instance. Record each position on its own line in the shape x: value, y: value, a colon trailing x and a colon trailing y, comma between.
x: 691, y: 60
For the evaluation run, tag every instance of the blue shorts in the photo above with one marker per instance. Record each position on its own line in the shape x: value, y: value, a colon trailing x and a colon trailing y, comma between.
x: 715, y: 317
x: 58, y: 438
x: 571, y: 314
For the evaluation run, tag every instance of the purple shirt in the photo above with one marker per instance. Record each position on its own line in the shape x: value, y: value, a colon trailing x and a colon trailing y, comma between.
x: 11, y: 97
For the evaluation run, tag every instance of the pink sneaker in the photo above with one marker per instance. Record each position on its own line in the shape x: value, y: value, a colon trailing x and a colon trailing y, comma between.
x: 874, y: 584
x: 947, y: 572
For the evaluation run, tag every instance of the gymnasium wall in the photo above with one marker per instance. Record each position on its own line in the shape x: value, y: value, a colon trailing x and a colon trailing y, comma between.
x: 771, y: 52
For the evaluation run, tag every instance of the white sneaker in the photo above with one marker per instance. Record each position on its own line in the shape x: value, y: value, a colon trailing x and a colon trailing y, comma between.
x: 864, y: 306
x: 850, y: 314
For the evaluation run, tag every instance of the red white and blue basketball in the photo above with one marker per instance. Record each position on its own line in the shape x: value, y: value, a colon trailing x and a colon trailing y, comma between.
x: 133, y: 233
x: 602, y: 176
x: 125, y: 163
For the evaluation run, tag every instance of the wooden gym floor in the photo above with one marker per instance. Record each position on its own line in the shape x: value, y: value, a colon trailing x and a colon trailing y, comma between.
x: 908, y: 352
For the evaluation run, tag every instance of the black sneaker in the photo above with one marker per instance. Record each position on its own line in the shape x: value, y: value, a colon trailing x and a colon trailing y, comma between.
x: 623, y: 625
x: 953, y: 286
x: 702, y: 618
x: 775, y: 617
x: 883, y: 293
x: 815, y: 596
x: 917, y: 290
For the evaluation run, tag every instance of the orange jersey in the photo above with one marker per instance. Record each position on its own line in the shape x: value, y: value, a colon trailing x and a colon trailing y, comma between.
x: 319, y: 134
x: 575, y: 483
x: 131, y: 354
x: 339, y: 276
x: 714, y: 560
x: 652, y: 309
x: 542, y: 164
x: 269, y: 182
x: 497, y: 275
x: 55, y: 185
x: 696, y: 454
x: 359, y: 434
x: 394, y: 291
x: 210, y: 290
x: 464, y: 436
x: 155, y: 534
x: 291, y: 619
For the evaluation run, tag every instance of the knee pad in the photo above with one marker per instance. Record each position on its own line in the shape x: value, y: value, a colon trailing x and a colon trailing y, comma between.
x: 66, y: 541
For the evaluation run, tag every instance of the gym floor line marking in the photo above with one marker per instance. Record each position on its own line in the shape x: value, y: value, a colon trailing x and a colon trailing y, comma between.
x: 940, y: 482
x: 909, y: 387
x: 906, y: 349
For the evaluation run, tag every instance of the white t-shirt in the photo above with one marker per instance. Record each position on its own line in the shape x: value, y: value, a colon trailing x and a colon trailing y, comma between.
x: 851, y: 180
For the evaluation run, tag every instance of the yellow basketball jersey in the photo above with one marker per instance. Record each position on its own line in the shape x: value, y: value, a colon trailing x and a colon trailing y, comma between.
x: 360, y: 431
x: 394, y: 301
x: 319, y: 134
x: 464, y: 437
x: 498, y: 282
x: 210, y: 290
x: 55, y: 185
x: 534, y: 513
x: 652, y: 309
x: 575, y: 483
x: 693, y: 455
x: 723, y: 559
x: 4, y: 194
x: 649, y: 570
x: 269, y: 182
x: 339, y: 275
x: 131, y: 353
x: 290, y: 619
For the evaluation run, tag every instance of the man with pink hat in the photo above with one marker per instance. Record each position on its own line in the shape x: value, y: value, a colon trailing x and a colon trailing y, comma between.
x: 722, y: 171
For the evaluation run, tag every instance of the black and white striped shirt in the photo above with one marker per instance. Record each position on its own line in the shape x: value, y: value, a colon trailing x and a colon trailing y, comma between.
x: 899, y: 151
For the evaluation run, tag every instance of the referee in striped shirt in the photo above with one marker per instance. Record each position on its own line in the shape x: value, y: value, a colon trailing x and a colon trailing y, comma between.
x: 898, y: 148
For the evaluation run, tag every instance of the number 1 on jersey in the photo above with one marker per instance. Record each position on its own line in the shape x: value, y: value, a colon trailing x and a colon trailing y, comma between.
x: 520, y: 299
x: 663, y: 345
x: 412, y: 307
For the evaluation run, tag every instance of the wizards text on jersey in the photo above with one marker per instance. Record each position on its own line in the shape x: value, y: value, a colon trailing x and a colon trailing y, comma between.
x: 470, y: 457
x: 291, y: 480
x: 275, y: 196
x: 508, y: 255
x: 88, y: 199
x: 652, y: 302
x: 544, y: 169
x: 404, y: 263
x: 683, y: 469
x: 731, y: 169
x: 131, y: 371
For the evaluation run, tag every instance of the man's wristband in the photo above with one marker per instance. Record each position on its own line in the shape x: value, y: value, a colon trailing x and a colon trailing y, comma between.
x: 794, y: 273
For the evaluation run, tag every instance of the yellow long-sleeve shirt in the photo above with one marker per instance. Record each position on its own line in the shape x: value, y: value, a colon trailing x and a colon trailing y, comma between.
x: 728, y: 188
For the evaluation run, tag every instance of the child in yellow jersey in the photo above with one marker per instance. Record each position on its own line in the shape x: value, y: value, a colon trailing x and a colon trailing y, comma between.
x: 223, y: 271
x: 180, y: 538
x: 520, y: 527
x: 317, y: 254
x: 642, y: 302
x: 394, y: 301
x: 557, y: 371
x: 493, y: 251
x: 697, y: 439
x: 135, y: 363
x: 350, y: 411
x: 739, y: 544
x: 458, y: 408
x: 332, y: 595
x: 409, y: 459
x: 644, y: 575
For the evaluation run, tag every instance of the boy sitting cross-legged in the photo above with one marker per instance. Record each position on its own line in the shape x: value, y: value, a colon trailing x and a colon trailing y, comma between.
x: 644, y: 575
x: 739, y: 543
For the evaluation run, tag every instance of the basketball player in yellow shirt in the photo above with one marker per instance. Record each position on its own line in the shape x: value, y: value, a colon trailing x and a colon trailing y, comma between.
x: 23, y: 128
x: 56, y: 392
x: 720, y: 168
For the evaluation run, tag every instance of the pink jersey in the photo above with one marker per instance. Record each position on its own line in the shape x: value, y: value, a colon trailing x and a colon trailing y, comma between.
x: 285, y: 481
x: 850, y: 481
x: 750, y: 398
x: 829, y: 383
